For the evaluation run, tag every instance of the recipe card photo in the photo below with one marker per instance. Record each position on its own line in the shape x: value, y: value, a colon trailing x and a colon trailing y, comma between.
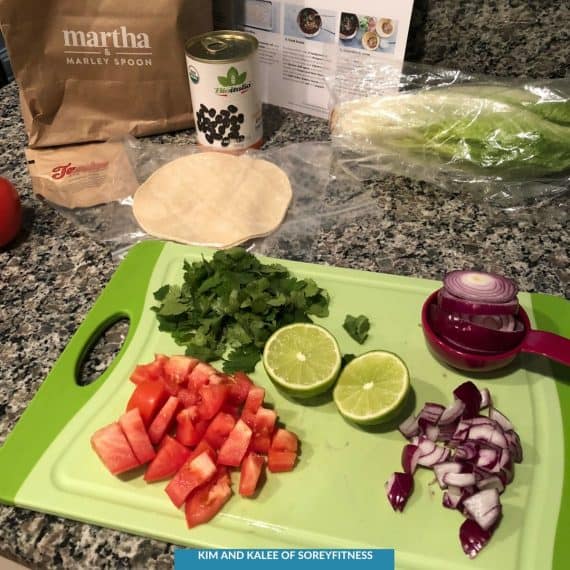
x: 302, y: 43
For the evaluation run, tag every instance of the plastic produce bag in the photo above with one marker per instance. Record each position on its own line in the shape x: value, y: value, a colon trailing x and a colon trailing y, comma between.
x: 506, y: 141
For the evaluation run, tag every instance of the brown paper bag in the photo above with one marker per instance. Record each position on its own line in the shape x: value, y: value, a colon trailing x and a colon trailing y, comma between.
x: 89, y: 70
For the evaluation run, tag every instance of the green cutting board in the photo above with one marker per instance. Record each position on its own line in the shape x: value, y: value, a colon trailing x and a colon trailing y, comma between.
x: 335, y: 496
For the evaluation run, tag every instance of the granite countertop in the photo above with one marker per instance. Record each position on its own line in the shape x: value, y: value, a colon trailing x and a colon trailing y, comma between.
x: 51, y: 275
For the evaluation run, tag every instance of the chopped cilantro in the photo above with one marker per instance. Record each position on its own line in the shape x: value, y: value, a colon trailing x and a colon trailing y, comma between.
x: 230, y: 305
x: 357, y: 327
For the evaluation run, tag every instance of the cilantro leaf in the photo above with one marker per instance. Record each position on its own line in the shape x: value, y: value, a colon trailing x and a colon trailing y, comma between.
x: 243, y: 359
x: 357, y: 327
x: 233, y: 303
x: 346, y: 358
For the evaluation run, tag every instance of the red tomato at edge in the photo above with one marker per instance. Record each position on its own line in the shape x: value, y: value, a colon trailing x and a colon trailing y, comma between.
x: 10, y: 212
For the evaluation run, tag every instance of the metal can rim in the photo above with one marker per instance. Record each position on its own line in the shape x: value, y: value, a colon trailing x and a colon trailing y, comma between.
x: 214, y: 33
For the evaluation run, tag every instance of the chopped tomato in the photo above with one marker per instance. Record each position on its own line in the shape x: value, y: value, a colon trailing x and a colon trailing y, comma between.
x: 239, y: 388
x: 190, y: 476
x: 278, y: 461
x: 232, y: 410
x: 187, y: 398
x: 200, y: 448
x: 213, y: 398
x: 284, y: 440
x: 206, y: 501
x: 148, y: 397
x: 163, y: 420
x: 248, y: 417
x: 233, y: 450
x: 133, y: 427
x: 260, y: 443
x: 217, y: 378
x: 112, y: 447
x: 151, y: 371
x: 176, y: 371
x: 189, y: 429
x: 199, y: 376
x: 250, y: 473
x: 219, y: 429
x: 264, y: 421
x: 170, y: 457
x: 254, y: 399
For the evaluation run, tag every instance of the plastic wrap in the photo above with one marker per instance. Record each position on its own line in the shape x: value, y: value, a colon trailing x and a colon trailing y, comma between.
x: 504, y: 141
x: 323, y: 194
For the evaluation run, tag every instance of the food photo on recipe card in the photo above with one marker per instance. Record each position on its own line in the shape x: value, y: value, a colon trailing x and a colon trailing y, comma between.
x: 301, y: 44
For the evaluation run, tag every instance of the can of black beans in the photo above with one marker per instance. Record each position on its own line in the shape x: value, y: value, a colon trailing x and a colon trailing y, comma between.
x: 222, y: 71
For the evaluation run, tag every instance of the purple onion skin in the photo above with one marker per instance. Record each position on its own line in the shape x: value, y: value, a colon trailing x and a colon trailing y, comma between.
x: 469, y: 394
x: 473, y: 538
x: 399, y: 490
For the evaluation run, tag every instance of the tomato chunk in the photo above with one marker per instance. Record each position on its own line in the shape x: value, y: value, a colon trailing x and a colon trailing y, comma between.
x: 199, y: 376
x: 148, y: 397
x: 163, y: 419
x: 264, y: 421
x: 200, y: 448
x: 251, y: 469
x: 189, y: 429
x: 260, y: 443
x: 112, y: 447
x: 177, y: 368
x: 239, y: 388
x: 187, y: 398
x: 190, y: 476
x: 279, y: 461
x: 248, y: 417
x: 284, y: 440
x: 206, y: 501
x: 149, y: 372
x: 219, y: 429
x: 233, y: 450
x: 170, y: 457
x: 133, y: 427
x: 254, y: 399
x: 213, y: 398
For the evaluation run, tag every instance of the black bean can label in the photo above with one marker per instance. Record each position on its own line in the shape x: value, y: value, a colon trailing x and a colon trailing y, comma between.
x: 222, y: 71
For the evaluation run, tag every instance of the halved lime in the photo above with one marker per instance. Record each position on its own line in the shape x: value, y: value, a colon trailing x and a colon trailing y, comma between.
x: 303, y: 358
x: 371, y: 387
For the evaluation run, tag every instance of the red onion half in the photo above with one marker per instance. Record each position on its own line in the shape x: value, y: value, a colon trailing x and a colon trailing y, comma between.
x: 452, y: 304
x: 480, y: 287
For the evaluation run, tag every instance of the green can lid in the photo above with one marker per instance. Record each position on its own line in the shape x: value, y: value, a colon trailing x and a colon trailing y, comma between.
x: 222, y: 46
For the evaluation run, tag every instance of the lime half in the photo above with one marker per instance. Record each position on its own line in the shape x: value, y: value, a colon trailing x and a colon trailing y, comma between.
x: 304, y: 359
x: 371, y: 387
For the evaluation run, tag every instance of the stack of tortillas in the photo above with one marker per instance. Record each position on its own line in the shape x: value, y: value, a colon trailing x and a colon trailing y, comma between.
x: 213, y: 199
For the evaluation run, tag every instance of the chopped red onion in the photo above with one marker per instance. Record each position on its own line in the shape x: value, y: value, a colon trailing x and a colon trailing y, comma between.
x: 459, y: 479
x: 485, y: 398
x: 484, y: 508
x: 432, y: 432
x: 438, y: 455
x: 473, y: 538
x: 398, y: 490
x: 482, y: 464
x: 493, y: 482
x: 451, y: 413
x: 514, y: 446
x: 442, y: 469
x: 501, y: 419
x: 469, y: 394
x: 431, y: 412
x: 410, y: 455
x: 409, y: 427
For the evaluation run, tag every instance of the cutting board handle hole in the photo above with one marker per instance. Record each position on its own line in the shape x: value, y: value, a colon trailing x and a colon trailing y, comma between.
x: 102, y: 349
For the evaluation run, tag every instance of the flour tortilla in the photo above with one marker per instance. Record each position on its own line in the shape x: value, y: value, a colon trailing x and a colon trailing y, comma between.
x: 213, y: 199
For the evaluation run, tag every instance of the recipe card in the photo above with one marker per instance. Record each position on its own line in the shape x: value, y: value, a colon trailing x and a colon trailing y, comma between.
x: 300, y: 44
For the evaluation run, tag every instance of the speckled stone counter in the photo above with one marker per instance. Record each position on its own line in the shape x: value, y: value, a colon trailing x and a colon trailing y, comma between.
x: 52, y: 274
